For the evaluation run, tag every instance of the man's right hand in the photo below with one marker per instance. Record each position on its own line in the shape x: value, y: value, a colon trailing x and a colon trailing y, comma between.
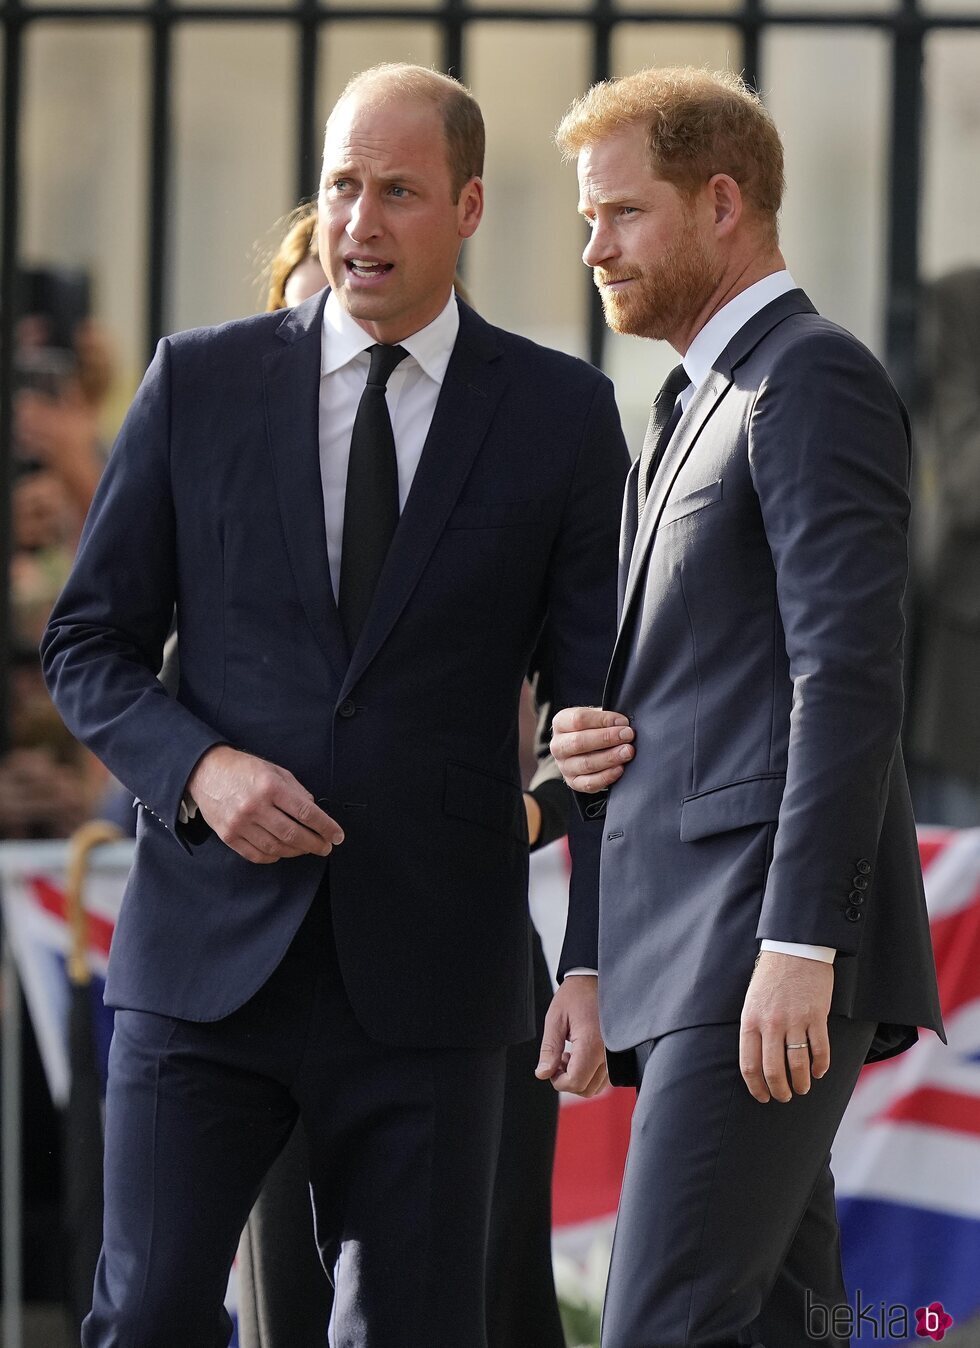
x: 258, y: 809
x: 591, y: 747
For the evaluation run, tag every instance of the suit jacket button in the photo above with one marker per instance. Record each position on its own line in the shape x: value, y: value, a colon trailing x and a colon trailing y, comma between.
x: 855, y: 897
x: 860, y: 882
x: 863, y: 867
x: 852, y: 914
x: 347, y: 707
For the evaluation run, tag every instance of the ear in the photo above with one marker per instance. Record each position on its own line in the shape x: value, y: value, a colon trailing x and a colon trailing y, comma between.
x: 726, y: 202
x: 470, y: 207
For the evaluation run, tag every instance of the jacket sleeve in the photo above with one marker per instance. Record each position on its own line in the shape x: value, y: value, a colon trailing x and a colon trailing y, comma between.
x: 829, y: 454
x: 547, y: 786
x: 581, y: 628
x: 104, y: 641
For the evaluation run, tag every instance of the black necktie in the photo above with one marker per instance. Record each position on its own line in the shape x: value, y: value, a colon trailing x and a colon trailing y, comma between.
x: 664, y: 416
x: 371, y: 501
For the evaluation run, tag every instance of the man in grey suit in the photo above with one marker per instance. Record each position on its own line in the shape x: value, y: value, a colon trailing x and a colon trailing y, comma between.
x: 762, y: 922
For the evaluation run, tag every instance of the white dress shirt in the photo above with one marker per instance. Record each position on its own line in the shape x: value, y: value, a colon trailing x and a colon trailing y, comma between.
x: 413, y: 391
x: 701, y: 355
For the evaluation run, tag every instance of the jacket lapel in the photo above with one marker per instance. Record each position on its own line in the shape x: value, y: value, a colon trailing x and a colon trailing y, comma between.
x: 627, y: 533
x: 698, y: 412
x: 291, y: 378
x: 699, y: 409
x: 472, y: 388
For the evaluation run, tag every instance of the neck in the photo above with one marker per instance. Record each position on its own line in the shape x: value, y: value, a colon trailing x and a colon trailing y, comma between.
x: 738, y: 276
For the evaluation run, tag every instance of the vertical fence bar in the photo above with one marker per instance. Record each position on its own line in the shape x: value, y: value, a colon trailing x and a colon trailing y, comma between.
x: 308, y: 133
x: 159, y: 195
x: 752, y: 20
x: 602, y: 19
x: 904, y: 198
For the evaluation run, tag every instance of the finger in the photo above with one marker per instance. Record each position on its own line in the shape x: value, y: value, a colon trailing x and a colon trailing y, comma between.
x: 774, y: 1064
x: 599, y: 1081
x: 583, y: 1061
x: 585, y: 718
x: 254, y: 843
x: 303, y: 810
x: 750, y: 1064
x: 289, y: 838
x: 577, y: 743
x: 798, y: 1058
x: 600, y: 781
x: 552, y: 1048
x: 580, y: 1080
x: 819, y: 1049
x: 295, y: 839
x: 600, y: 760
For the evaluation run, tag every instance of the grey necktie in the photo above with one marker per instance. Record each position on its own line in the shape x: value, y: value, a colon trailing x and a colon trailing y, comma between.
x: 664, y: 416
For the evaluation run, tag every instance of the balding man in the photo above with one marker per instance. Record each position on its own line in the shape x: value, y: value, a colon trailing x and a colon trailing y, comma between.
x: 367, y: 512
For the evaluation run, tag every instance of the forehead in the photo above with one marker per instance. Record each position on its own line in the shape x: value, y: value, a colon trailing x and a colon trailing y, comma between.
x: 386, y: 133
x: 618, y: 162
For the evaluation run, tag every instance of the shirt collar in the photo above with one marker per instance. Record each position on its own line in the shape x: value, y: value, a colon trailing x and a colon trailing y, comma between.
x: 431, y: 347
x: 722, y: 326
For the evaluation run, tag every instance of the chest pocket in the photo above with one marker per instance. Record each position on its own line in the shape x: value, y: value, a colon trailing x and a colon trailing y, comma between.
x: 695, y: 500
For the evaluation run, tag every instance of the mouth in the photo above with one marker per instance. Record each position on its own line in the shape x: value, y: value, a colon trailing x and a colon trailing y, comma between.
x: 613, y: 283
x: 367, y: 268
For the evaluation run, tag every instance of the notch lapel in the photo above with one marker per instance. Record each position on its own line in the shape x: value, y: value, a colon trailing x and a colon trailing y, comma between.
x: 699, y: 409
x: 470, y: 392
x: 627, y: 533
x: 291, y: 378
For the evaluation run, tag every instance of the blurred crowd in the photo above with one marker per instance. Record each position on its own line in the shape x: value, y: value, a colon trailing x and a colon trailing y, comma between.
x: 64, y: 373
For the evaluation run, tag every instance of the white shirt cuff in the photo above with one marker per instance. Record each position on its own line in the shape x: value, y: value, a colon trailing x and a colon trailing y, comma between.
x: 824, y: 953
x: 187, y: 811
x: 594, y: 972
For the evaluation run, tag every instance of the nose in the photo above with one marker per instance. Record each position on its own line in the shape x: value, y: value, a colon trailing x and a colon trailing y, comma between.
x: 365, y: 220
x: 600, y: 247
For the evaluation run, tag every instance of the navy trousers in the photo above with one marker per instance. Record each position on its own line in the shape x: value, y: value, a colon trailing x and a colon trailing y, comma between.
x: 402, y: 1145
x: 284, y: 1299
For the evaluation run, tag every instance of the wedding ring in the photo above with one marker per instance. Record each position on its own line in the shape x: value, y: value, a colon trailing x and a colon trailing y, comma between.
x: 805, y: 1044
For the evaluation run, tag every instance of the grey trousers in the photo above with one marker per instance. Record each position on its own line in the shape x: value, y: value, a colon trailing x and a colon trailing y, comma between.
x: 727, y: 1231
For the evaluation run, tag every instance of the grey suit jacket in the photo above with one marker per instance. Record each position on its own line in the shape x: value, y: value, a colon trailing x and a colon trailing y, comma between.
x: 759, y: 658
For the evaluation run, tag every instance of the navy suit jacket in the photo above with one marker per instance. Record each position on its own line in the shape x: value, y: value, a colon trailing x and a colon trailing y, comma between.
x: 212, y: 503
x: 759, y: 658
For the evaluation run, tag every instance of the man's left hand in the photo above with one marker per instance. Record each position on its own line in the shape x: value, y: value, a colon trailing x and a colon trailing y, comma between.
x: 573, y: 1018
x: 784, y: 1041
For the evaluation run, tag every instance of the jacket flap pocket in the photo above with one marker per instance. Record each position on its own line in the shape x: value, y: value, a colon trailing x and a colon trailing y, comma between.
x: 483, y: 799
x: 755, y: 800
x: 695, y: 500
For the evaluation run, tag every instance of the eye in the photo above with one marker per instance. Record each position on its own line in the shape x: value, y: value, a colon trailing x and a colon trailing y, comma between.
x: 627, y: 210
x: 396, y: 190
x: 338, y: 185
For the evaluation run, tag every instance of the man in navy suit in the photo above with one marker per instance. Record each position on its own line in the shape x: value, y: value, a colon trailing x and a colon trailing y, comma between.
x: 367, y: 513
x: 762, y: 923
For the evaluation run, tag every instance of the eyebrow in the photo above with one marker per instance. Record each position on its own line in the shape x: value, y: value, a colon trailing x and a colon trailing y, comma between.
x: 600, y: 200
x: 349, y: 171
